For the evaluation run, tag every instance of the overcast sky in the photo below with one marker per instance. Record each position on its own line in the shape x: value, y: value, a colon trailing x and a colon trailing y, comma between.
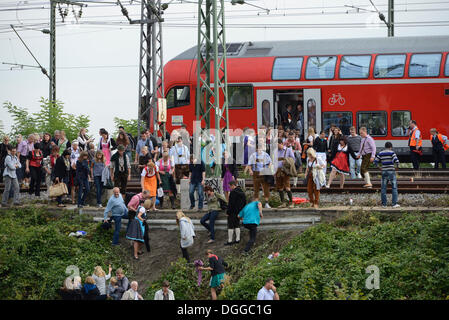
x: 97, y: 65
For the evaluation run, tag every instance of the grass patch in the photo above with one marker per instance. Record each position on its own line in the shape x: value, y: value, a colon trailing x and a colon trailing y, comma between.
x: 35, y: 251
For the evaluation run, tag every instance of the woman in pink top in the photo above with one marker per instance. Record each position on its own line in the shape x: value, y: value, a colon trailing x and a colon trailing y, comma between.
x: 106, y: 144
x: 166, y: 171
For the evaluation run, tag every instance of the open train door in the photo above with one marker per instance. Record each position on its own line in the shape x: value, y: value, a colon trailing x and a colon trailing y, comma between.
x: 312, y: 110
x: 265, y: 108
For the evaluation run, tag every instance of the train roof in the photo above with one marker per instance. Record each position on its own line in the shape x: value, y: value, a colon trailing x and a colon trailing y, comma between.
x: 350, y: 46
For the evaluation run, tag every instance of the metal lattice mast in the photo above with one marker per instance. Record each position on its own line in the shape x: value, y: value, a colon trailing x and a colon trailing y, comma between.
x: 212, y: 97
x: 150, y: 62
x: 52, y: 69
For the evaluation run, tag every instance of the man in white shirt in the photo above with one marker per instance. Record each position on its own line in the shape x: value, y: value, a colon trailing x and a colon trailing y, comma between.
x: 268, y: 291
x: 180, y: 154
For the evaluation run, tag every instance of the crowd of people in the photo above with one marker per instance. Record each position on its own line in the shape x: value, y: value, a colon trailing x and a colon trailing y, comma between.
x: 162, y: 162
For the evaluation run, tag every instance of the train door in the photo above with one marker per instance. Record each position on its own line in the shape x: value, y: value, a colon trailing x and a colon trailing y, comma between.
x: 312, y: 110
x: 265, y: 108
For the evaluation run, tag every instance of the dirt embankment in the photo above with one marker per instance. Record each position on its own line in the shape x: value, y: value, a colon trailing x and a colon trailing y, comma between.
x: 165, y: 248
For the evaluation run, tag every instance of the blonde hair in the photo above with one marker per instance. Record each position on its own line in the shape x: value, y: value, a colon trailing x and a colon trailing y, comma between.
x: 180, y: 215
x: 68, y: 284
x: 99, y: 272
x: 311, y: 131
x: 145, y: 149
x: 113, y: 280
x: 76, y: 281
x: 311, y: 152
x: 90, y: 280
x: 148, y: 204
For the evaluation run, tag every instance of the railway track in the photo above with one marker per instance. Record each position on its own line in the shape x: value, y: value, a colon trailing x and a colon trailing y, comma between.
x: 405, y: 185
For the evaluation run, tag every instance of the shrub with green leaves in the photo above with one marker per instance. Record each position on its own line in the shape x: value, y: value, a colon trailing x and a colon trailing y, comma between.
x: 35, y: 251
x: 329, y: 261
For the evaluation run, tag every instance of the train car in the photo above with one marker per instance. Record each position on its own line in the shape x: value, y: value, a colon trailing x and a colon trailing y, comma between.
x: 379, y: 83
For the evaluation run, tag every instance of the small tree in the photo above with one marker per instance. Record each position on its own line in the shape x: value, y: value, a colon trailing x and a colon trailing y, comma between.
x: 130, y: 126
x: 51, y: 117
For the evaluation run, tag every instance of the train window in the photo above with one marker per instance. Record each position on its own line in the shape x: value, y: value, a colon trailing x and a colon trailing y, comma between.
x: 355, y: 67
x: 447, y: 66
x: 321, y: 67
x: 178, y: 96
x: 389, y: 66
x: 343, y: 120
x: 399, y: 123
x: 240, y: 97
x: 287, y: 68
x: 425, y: 65
x: 374, y: 121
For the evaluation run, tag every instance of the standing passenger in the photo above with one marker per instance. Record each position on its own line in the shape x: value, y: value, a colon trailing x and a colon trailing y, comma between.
x: 414, y: 143
x: 258, y: 163
x: 315, y: 177
x: 440, y: 144
x: 367, y: 152
x: 388, y: 159
x: 354, y: 164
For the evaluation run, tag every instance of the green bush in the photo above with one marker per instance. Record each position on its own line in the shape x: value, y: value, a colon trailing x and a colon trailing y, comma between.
x: 35, y: 251
x: 328, y: 261
x: 411, y: 254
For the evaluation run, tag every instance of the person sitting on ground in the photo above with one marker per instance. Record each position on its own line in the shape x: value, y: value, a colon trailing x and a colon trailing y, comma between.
x: 132, y: 293
x: 77, y: 283
x: 100, y: 278
x: 213, y: 204
x: 216, y: 268
x: 68, y: 292
x: 268, y: 291
x: 237, y: 201
x: 90, y: 290
x: 165, y: 293
x: 122, y: 283
x: 112, y: 289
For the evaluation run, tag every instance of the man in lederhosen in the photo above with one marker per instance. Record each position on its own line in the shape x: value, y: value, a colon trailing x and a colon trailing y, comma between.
x: 282, y: 178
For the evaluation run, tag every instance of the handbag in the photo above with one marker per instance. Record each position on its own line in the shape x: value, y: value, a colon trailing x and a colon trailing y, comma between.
x: 58, y: 190
x: 109, y: 184
x: 160, y: 192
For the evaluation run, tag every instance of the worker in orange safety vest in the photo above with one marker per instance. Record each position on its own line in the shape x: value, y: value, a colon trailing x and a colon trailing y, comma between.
x: 440, y: 144
x: 415, y: 143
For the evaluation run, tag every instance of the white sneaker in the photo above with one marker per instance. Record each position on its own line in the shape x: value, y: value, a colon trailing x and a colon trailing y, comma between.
x: 327, y: 186
x: 396, y: 206
x: 267, y: 206
x: 359, y: 176
x: 384, y: 206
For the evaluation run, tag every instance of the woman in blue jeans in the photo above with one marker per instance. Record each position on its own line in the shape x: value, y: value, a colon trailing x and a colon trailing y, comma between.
x: 82, y: 178
x: 96, y: 172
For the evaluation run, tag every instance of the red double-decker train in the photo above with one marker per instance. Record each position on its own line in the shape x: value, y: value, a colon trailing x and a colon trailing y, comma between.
x: 379, y: 83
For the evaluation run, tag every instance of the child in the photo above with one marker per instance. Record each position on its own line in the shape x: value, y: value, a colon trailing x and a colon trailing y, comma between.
x: 112, y: 289
x: 388, y: 159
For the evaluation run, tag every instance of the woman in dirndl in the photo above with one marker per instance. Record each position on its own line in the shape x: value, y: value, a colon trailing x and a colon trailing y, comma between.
x: 166, y: 172
x: 340, y: 163
x: 149, y: 180
x: 136, y: 229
